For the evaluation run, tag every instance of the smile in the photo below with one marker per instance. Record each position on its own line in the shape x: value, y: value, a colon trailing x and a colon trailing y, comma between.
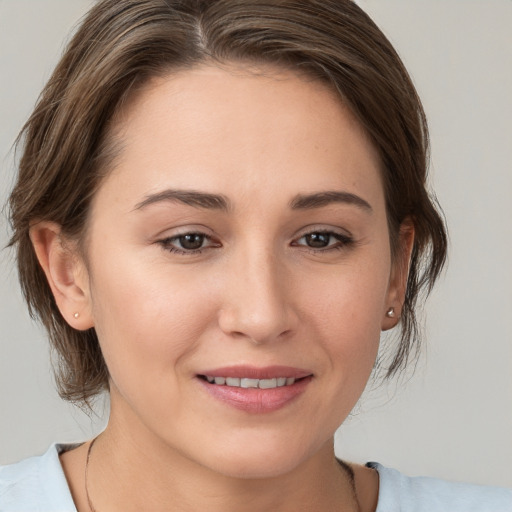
x: 246, y: 382
x: 255, y: 390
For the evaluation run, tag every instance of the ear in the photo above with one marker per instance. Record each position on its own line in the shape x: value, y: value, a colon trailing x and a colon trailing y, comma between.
x: 65, y: 272
x: 399, y: 274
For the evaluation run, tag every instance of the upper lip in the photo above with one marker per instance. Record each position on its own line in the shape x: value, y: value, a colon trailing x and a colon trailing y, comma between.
x: 253, y: 372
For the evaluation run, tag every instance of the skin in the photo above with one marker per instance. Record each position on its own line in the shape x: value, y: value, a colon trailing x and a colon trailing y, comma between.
x: 255, y: 294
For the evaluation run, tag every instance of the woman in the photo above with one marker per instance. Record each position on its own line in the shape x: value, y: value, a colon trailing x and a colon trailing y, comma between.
x: 220, y: 206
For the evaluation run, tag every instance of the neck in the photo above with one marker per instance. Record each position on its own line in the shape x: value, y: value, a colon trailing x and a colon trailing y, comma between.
x: 139, y: 473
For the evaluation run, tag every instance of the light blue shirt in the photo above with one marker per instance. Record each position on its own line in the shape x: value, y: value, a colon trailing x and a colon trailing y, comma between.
x: 38, y: 484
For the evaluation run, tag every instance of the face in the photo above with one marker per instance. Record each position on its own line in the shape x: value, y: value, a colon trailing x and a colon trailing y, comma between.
x: 242, y: 239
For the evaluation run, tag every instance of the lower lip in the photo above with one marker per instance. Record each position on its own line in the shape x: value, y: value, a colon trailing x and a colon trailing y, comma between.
x: 254, y: 400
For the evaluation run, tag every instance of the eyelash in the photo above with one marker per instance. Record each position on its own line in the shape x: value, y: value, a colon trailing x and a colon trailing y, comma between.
x: 343, y: 242
x: 166, y: 243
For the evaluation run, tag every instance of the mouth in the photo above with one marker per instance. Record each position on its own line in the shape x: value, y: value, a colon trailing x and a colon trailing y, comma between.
x: 247, y: 382
x: 256, y: 390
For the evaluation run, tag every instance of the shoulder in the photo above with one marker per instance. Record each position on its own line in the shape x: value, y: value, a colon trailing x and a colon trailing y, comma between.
x: 36, y: 484
x: 398, y: 492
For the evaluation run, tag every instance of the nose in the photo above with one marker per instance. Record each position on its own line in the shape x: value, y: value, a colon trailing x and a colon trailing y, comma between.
x: 256, y: 299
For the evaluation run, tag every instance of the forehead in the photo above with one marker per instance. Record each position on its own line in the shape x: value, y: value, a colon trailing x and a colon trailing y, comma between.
x: 239, y: 130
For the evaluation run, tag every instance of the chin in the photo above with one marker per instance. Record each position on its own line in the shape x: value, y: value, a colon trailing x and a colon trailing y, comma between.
x: 258, y: 459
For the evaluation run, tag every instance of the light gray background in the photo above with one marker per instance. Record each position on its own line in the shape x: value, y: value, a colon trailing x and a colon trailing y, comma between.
x: 453, y: 418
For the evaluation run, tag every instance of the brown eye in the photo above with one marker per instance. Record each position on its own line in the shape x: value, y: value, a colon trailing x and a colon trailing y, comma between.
x: 317, y: 240
x: 188, y: 243
x: 191, y: 241
x: 324, y: 241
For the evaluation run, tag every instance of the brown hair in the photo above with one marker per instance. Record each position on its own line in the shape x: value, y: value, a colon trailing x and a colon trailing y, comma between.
x: 121, y: 44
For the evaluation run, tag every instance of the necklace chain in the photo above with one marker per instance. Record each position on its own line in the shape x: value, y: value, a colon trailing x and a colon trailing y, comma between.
x: 345, y: 467
x: 91, y: 507
x: 352, y: 480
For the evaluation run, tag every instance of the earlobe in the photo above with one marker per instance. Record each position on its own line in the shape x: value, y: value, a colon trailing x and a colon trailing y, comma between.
x: 65, y: 272
x: 399, y: 276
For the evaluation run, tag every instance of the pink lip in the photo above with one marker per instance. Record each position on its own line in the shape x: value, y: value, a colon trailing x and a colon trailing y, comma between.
x: 253, y: 400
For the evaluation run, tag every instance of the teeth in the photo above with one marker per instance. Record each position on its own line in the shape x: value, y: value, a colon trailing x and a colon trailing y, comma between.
x: 248, y: 383
x: 268, y: 383
x: 244, y: 382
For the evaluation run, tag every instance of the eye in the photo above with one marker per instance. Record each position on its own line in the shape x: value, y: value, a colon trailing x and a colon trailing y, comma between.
x: 324, y: 240
x: 190, y: 241
x: 187, y: 243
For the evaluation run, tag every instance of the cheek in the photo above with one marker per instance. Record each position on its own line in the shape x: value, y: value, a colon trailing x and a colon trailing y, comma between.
x: 147, y: 318
x: 346, y: 310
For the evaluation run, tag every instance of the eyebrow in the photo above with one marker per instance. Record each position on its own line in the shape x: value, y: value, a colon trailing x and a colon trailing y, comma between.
x: 188, y: 197
x: 219, y: 202
x: 320, y: 199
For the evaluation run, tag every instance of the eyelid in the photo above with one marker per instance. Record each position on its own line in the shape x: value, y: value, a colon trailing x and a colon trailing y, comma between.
x: 181, y: 230
x: 167, y: 242
x: 344, y: 240
x: 323, y: 229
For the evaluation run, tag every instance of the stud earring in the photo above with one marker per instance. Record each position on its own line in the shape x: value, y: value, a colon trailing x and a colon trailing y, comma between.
x: 76, y: 315
x: 390, y: 313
